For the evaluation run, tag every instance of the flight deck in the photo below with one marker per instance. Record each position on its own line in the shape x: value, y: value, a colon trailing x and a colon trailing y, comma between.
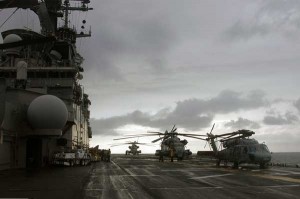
x: 138, y: 177
x: 143, y: 176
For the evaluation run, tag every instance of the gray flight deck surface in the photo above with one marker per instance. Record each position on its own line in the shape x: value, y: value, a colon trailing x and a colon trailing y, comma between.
x: 143, y: 176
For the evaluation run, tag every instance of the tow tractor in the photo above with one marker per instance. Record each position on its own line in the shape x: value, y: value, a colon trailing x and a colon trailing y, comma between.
x: 76, y: 157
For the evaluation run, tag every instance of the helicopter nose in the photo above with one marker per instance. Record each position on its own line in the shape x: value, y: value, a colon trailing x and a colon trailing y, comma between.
x: 261, y: 157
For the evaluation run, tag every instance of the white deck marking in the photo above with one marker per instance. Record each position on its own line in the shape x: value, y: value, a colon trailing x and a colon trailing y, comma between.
x: 290, y: 172
x: 176, y: 170
x: 211, y: 176
x: 218, y: 187
x: 130, y: 172
x: 115, y: 164
x: 136, y: 175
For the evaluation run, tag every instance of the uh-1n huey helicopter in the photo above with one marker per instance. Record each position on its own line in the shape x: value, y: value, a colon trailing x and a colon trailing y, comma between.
x: 239, y: 148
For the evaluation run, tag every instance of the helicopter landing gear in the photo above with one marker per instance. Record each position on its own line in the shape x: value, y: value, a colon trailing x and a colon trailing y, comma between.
x: 262, y: 166
x: 161, y: 159
x: 235, y: 165
x: 218, y: 163
x: 225, y: 163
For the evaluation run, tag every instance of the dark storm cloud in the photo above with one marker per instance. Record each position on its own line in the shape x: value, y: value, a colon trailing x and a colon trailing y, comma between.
x: 191, y: 114
x: 288, y: 118
x: 133, y: 33
x: 273, y: 17
x: 242, y: 123
x: 107, y: 126
x: 226, y: 102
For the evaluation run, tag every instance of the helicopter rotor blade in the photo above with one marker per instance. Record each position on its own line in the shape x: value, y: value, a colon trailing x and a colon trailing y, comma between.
x: 124, y: 138
x: 173, y: 128
x: 238, y: 134
x: 134, y: 136
x: 212, y: 128
x: 192, y: 134
x: 194, y: 137
x: 157, y: 139
x: 117, y: 145
x: 145, y: 144
x: 226, y: 139
x: 154, y: 132
x: 138, y: 135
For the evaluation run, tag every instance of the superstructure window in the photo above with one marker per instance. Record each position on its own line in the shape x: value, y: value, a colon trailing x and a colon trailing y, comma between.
x: 53, y: 74
x: 8, y: 74
x: 41, y: 75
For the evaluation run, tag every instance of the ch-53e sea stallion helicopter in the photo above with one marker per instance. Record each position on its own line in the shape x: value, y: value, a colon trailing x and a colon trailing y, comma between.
x: 239, y: 148
x: 171, y: 145
x: 133, y: 149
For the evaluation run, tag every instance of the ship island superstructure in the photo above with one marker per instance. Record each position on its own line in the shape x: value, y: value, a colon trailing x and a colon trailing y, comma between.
x: 43, y: 108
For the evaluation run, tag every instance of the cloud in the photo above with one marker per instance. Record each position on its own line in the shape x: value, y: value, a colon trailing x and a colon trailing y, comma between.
x: 190, y: 114
x: 283, y: 138
x: 297, y: 104
x: 227, y: 101
x: 107, y: 126
x: 242, y: 123
x: 288, y: 118
x: 136, y: 36
x: 273, y: 17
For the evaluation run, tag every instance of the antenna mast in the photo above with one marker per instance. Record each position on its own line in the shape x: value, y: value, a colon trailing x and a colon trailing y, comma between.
x: 67, y: 7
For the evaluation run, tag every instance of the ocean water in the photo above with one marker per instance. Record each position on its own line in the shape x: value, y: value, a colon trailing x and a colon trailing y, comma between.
x: 287, y: 157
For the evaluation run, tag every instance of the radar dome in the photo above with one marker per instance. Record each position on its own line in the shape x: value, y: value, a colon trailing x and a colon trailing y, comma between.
x: 11, y: 38
x: 47, y: 112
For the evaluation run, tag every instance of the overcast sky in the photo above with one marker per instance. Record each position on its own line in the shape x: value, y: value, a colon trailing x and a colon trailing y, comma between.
x: 151, y: 64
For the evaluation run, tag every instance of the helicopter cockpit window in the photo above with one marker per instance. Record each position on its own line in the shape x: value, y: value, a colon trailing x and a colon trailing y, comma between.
x: 264, y: 148
x: 252, y: 149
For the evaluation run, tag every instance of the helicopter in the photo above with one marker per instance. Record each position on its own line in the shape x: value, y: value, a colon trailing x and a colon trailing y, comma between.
x: 239, y: 148
x: 171, y: 145
x: 133, y: 149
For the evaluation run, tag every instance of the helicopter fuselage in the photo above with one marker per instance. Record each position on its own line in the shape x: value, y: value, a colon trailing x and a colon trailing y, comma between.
x: 239, y: 148
x: 251, y: 154
x: 175, y: 144
x: 133, y: 150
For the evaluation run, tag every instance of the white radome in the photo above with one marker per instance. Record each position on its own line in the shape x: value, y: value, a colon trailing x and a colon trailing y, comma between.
x: 11, y: 38
x: 47, y: 112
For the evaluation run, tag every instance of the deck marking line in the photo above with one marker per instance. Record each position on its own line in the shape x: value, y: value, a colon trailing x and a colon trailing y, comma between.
x: 130, y: 172
x: 165, y: 188
x: 234, y: 187
x: 94, y: 189
x: 115, y: 164
x: 106, y: 189
x: 290, y: 172
x: 134, y: 175
x: 212, y: 176
x: 175, y: 170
